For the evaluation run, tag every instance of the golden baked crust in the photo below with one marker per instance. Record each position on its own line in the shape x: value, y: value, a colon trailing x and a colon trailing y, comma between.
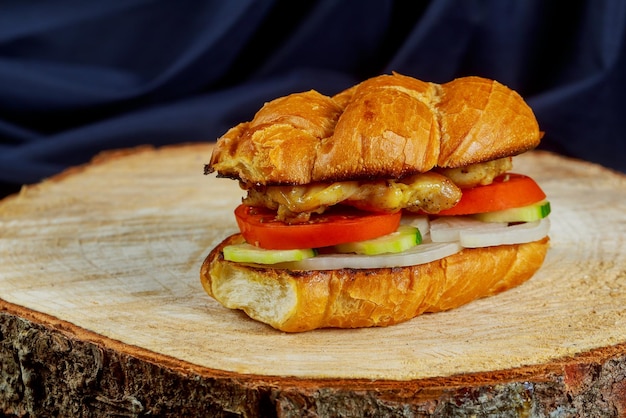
x: 387, y: 129
x: 387, y: 126
x: 279, y: 145
x: 477, y: 115
x: 295, y: 301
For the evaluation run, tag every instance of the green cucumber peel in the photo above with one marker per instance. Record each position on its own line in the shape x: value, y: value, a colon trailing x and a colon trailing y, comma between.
x: 528, y: 213
x: 402, y: 239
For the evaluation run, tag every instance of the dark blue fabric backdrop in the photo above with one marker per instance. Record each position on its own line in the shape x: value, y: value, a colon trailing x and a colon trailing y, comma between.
x: 78, y: 77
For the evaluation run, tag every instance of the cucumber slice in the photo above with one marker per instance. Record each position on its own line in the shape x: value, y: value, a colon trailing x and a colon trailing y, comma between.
x: 404, y: 238
x: 247, y: 253
x: 528, y: 213
x: 420, y: 222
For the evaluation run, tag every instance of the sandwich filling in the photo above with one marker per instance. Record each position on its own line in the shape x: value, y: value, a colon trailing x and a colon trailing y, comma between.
x: 429, y: 192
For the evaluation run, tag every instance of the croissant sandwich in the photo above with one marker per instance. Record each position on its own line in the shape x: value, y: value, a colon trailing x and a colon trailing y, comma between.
x: 392, y: 198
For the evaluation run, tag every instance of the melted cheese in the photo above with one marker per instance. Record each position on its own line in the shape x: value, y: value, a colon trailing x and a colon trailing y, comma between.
x: 429, y: 192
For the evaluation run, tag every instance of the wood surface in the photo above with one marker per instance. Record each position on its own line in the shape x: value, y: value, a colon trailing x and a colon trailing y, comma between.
x: 102, y: 311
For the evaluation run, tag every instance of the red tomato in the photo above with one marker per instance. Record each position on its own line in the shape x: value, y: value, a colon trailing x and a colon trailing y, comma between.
x: 335, y: 226
x: 508, y: 190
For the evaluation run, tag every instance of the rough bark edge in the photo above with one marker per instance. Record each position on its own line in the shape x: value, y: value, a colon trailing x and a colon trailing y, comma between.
x: 39, y: 377
x: 50, y: 367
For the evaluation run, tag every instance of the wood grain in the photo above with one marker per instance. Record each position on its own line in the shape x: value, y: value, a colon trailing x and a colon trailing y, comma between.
x: 112, y: 251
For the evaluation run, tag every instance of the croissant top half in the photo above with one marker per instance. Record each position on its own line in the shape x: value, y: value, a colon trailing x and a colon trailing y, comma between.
x: 388, y: 126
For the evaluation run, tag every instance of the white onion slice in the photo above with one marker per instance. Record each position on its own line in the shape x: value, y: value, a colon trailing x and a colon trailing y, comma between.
x: 514, y: 234
x: 420, y: 254
x: 449, y: 228
x: 448, y: 235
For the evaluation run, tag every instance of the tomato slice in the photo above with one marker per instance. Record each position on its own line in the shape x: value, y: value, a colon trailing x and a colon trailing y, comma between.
x: 509, y: 190
x: 337, y: 225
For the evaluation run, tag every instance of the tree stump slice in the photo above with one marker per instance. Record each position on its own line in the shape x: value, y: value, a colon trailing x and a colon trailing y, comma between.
x: 102, y: 312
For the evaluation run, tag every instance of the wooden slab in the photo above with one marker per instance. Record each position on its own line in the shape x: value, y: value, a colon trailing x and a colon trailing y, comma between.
x: 106, y: 256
